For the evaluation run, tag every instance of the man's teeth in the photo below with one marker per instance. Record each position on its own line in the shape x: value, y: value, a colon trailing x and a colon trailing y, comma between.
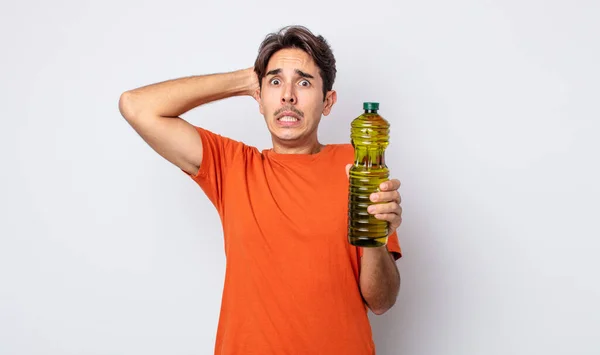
x: 288, y: 119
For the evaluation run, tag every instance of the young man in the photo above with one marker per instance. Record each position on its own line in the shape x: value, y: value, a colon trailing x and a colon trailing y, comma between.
x: 293, y: 282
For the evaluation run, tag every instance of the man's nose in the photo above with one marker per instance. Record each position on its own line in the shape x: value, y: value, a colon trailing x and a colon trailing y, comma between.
x: 289, y: 96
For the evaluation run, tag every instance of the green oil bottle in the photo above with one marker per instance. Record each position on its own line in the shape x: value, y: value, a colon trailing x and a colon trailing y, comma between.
x: 370, y: 137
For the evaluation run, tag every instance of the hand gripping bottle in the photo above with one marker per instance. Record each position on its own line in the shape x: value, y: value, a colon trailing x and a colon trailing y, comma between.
x: 370, y: 138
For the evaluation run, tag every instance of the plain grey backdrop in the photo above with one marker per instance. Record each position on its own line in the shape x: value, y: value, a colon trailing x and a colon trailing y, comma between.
x: 106, y: 248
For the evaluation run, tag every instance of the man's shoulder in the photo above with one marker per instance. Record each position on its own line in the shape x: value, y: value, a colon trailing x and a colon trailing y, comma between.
x: 342, y: 148
x: 341, y: 145
x: 213, y: 137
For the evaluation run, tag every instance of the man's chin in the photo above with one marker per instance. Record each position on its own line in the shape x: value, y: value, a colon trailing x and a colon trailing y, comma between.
x: 285, y: 133
x: 286, y: 136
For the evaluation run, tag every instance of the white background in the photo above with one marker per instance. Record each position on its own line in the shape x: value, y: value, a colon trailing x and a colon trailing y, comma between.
x: 106, y: 248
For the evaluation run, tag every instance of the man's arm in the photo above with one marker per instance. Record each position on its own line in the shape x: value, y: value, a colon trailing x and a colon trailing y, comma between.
x: 153, y: 111
x: 379, y: 279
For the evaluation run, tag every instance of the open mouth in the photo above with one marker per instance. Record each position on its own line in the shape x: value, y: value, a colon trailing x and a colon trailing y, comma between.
x: 288, y: 119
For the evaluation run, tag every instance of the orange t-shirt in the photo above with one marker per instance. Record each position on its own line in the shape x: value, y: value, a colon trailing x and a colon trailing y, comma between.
x: 291, y: 278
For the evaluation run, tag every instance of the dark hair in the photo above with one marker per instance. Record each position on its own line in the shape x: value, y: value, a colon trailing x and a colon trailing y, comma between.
x: 302, y: 38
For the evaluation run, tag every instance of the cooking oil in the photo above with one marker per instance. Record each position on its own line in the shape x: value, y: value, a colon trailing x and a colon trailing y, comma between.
x: 369, y: 137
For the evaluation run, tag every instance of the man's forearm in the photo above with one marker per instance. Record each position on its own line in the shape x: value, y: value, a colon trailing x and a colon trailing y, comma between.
x: 174, y: 97
x: 379, y: 279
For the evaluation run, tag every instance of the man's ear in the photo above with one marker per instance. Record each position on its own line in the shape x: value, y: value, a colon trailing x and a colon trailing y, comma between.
x: 330, y: 100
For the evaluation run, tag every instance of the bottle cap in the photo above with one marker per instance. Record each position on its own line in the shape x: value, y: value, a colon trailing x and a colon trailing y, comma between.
x: 373, y: 106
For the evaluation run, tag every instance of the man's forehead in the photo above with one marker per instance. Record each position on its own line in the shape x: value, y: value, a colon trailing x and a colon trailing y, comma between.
x: 291, y: 59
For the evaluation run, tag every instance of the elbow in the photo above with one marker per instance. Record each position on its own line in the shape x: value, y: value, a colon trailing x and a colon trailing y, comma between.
x: 127, y: 105
x: 381, y: 309
x: 380, y: 301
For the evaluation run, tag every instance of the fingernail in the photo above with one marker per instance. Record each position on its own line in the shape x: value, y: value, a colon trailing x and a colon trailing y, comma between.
x: 371, y: 209
x: 374, y: 197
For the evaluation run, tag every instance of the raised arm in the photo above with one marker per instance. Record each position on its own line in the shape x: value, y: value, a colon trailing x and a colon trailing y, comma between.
x: 153, y: 111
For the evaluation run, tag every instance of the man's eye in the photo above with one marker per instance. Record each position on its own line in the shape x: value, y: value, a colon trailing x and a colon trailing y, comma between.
x: 274, y: 81
x: 305, y: 83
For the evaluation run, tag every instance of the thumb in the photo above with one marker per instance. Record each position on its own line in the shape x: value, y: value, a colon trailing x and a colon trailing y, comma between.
x: 348, y: 166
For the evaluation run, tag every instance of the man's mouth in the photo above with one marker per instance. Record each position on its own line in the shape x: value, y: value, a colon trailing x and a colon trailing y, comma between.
x: 287, y: 119
x: 289, y: 116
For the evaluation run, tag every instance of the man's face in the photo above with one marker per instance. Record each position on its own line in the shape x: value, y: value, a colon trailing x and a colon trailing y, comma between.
x: 291, y: 98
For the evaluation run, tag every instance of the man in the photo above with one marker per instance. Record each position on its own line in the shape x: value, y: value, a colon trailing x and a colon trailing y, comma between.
x: 293, y: 282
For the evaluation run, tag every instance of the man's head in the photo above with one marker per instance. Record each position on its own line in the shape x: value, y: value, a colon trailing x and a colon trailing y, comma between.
x: 296, y: 71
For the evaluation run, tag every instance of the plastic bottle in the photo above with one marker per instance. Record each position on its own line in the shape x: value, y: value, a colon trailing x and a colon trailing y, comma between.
x: 369, y: 137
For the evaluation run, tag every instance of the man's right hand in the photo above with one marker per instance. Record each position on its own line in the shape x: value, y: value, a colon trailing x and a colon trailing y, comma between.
x: 254, y: 88
x: 153, y: 111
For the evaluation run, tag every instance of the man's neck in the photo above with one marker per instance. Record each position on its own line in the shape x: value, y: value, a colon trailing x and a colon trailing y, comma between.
x: 311, y: 147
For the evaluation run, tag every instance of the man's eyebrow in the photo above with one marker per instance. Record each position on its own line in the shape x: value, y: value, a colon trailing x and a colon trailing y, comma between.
x: 298, y: 71
x: 303, y: 74
x: 274, y: 72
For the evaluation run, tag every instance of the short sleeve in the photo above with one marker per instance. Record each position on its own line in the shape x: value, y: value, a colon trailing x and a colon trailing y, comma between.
x: 393, y: 246
x: 218, y: 155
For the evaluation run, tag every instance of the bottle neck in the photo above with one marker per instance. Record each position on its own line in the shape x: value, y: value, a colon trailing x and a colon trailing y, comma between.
x: 369, y: 145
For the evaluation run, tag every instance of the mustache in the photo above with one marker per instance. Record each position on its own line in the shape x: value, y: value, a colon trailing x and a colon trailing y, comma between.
x: 289, y: 108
